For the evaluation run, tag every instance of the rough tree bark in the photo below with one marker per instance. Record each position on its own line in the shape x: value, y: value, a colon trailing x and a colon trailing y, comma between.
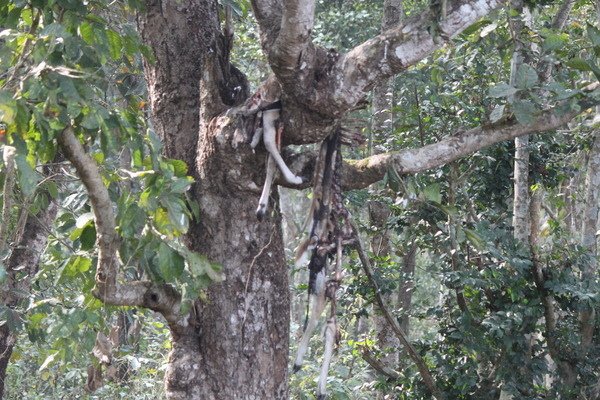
x: 239, y: 345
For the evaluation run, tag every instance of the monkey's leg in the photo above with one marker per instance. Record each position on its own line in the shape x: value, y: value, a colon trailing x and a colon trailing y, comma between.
x: 269, y: 139
x: 263, y: 202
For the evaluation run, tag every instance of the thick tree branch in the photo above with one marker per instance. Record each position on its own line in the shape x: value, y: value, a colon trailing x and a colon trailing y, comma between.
x: 268, y: 15
x: 88, y: 172
x: 161, y: 298
x: 294, y: 37
x: 399, y: 48
x: 361, y: 173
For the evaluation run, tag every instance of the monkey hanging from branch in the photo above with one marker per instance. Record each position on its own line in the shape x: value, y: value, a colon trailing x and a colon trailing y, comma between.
x: 330, y: 231
x: 262, y: 112
x: 330, y: 227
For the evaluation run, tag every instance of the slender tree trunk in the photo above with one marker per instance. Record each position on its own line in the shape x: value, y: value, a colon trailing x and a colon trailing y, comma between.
x: 521, y: 220
x: 587, y: 315
x: 521, y: 160
x: 381, y: 126
x: 23, y: 260
x: 380, y: 247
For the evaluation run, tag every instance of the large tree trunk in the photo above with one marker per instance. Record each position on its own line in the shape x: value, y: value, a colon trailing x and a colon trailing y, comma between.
x: 242, y: 325
x: 238, y: 345
x: 243, y: 322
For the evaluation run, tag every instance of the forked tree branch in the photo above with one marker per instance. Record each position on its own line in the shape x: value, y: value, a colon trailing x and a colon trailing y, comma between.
x: 162, y: 298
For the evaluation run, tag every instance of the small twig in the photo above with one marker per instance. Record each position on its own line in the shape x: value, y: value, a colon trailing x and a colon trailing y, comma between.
x: 377, y: 364
x: 550, y: 212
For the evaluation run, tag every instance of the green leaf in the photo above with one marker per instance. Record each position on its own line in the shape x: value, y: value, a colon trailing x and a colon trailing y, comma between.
x: 476, y: 26
x: 162, y: 221
x: 8, y: 108
x: 554, y: 42
x: 86, y: 30
x: 52, y: 189
x: 176, y: 209
x: 170, y: 263
x: 73, y: 267
x: 90, y: 121
x: 594, y: 34
x: 132, y: 221
x: 595, y: 69
x: 180, y: 167
x: 432, y: 193
x: 181, y: 185
x: 436, y: 76
x: 579, y: 64
x: 88, y: 237
x: 526, y: 77
x: 502, y: 90
x: 474, y: 238
x: 525, y: 111
x: 54, y: 29
x: 115, y: 44
x: 28, y: 178
x: 497, y: 113
x: 199, y: 265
